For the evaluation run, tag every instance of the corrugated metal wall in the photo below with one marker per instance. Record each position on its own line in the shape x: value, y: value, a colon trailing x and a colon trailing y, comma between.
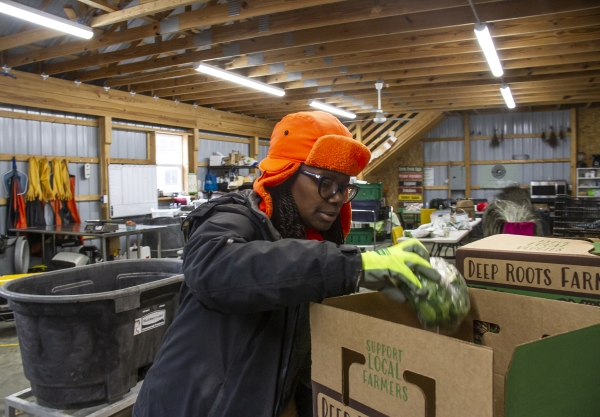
x: 51, y: 139
x: 128, y: 144
x: 533, y: 123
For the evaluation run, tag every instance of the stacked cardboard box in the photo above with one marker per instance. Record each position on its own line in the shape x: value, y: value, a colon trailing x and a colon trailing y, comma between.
x: 561, y: 269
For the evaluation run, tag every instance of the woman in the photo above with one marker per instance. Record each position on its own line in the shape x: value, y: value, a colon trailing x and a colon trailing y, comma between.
x: 240, y: 342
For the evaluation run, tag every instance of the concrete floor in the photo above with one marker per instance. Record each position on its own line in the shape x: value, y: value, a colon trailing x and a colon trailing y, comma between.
x: 11, y: 370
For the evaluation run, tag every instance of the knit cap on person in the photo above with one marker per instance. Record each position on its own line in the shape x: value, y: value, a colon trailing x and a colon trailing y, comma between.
x: 315, y: 139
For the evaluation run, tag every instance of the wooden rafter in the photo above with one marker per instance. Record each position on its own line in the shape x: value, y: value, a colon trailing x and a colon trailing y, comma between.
x: 331, y: 50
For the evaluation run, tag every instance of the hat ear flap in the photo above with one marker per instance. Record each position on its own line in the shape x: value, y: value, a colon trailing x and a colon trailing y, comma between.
x: 269, y: 180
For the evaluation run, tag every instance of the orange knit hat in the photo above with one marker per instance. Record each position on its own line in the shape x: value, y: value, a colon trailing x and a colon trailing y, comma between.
x: 316, y: 139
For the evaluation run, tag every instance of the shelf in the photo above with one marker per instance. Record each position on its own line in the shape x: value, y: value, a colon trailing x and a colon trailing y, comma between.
x: 588, y: 178
x: 589, y: 186
x: 233, y: 166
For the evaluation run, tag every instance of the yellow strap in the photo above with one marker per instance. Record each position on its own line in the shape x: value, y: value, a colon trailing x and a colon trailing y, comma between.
x: 34, y: 190
x: 66, y: 180
x: 48, y: 193
x: 57, y: 181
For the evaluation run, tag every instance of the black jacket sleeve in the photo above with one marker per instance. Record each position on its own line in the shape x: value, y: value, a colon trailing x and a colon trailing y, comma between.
x: 230, y: 269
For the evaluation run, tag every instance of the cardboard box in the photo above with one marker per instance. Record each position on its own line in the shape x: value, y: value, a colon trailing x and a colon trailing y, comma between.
x: 561, y: 269
x: 370, y: 357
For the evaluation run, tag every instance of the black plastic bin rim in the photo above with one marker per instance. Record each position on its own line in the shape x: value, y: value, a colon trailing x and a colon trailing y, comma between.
x: 6, y: 292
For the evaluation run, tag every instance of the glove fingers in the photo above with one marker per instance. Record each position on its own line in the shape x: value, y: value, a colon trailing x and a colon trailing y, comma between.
x: 394, y: 294
x: 415, y: 246
x: 426, y: 271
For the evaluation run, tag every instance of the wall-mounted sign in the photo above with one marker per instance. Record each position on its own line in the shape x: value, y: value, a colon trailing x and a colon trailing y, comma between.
x: 410, y: 190
x: 410, y: 197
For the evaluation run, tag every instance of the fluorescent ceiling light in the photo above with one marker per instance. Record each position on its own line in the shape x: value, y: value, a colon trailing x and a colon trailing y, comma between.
x: 238, y: 79
x: 508, y: 98
x: 487, y: 45
x: 331, y: 109
x: 41, y: 18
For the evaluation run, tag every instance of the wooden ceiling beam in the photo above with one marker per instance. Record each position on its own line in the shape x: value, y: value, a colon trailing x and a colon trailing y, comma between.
x: 354, y: 10
x: 100, y: 4
x: 310, y: 34
x: 432, y: 68
x: 446, y: 75
x: 141, y: 10
x: 308, y: 64
x: 436, y: 67
x: 28, y: 37
x: 150, y: 77
x: 370, y: 99
x: 518, y: 26
x: 558, y: 87
x: 368, y: 72
x: 209, y: 95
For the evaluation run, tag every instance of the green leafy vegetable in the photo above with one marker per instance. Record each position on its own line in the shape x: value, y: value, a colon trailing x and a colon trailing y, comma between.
x: 446, y: 303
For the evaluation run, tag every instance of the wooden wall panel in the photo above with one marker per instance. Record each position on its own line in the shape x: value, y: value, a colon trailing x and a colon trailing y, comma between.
x: 588, y: 132
x: 388, y: 174
x: 55, y: 94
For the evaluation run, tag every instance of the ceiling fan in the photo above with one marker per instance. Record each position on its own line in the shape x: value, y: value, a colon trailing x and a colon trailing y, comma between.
x: 379, y: 113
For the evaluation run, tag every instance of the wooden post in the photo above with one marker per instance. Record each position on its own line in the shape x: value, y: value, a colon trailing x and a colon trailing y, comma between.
x: 193, y: 151
x: 185, y: 150
x: 151, y: 147
x: 574, y: 152
x: 467, y: 151
x: 359, y: 139
x: 104, y: 142
x: 254, y: 150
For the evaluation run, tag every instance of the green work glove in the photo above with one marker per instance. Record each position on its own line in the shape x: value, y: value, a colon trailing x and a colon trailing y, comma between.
x: 394, y: 270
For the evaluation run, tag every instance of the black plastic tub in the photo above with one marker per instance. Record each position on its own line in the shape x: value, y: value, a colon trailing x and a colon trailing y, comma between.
x: 88, y: 334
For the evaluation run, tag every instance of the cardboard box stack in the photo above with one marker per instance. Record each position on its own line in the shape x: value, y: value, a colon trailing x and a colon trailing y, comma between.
x: 561, y: 269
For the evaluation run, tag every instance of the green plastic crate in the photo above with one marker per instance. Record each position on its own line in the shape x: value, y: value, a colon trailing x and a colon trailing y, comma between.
x: 362, y: 236
x: 372, y: 191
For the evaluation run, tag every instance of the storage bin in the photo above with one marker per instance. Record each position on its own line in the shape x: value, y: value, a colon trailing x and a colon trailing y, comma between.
x: 371, y: 191
x: 163, y: 212
x: 362, y: 236
x: 87, y: 333
x: 362, y: 210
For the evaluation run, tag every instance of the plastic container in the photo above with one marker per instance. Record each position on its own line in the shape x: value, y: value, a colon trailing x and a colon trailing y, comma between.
x: 163, y: 212
x: 133, y: 252
x: 88, y: 334
x: 365, y: 210
x: 362, y: 236
x: 372, y: 191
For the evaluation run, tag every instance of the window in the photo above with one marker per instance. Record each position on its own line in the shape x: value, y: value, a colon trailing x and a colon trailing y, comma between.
x: 169, y: 163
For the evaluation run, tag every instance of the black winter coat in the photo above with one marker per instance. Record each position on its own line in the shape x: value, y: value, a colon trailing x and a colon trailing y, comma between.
x: 241, y: 333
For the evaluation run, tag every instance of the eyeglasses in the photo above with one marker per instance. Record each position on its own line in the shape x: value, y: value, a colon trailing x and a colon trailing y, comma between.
x: 329, y: 187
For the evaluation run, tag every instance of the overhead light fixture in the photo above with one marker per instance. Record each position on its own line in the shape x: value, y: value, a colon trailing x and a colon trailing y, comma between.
x: 45, y: 19
x: 508, y: 98
x: 489, y: 50
x: 331, y: 109
x: 238, y: 79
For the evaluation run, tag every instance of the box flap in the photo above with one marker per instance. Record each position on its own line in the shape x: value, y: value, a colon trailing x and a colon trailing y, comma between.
x: 392, y: 368
x: 530, y: 244
x: 521, y: 320
x: 556, y: 376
